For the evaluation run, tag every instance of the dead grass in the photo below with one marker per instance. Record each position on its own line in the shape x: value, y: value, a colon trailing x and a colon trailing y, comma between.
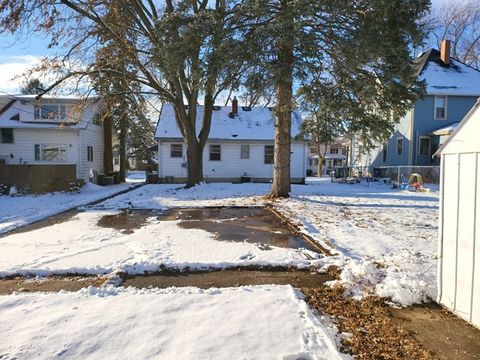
x: 373, y: 333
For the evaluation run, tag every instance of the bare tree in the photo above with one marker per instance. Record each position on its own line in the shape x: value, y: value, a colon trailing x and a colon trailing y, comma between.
x: 180, y: 51
x: 460, y: 23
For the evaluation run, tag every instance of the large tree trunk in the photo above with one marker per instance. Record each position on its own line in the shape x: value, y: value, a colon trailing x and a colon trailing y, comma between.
x: 283, y: 89
x: 123, y: 148
x: 320, y: 159
x: 194, y: 164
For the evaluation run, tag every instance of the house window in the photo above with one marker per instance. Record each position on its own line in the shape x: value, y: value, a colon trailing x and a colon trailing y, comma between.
x: 334, y: 150
x: 399, y: 146
x: 96, y: 119
x: 215, y: 153
x: 440, y: 107
x: 384, y: 153
x: 244, y: 151
x: 424, y: 145
x: 89, y: 153
x: 268, y: 154
x: 50, y: 112
x: 46, y: 152
x: 6, y: 136
x: 176, y: 150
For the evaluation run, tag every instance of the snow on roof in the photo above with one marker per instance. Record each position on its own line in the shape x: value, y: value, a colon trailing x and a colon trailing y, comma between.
x: 446, y: 130
x: 257, y: 123
x: 455, y: 78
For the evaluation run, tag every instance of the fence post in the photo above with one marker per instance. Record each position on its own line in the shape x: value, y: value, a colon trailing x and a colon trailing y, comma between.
x: 398, y: 177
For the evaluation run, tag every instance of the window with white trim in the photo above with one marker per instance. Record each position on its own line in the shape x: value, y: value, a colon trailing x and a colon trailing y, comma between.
x: 334, y: 150
x: 440, y: 107
x: 268, y: 156
x: 176, y: 150
x: 215, y: 153
x: 50, y: 112
x: 89, y: 153
x: 399, y: 146
x: 6, y: 136
x: 48, y: 152
x: 424, y: 145
x: 244, y: 151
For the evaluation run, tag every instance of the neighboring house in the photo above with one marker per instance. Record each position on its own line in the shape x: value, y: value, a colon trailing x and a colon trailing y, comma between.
x: 452, y: 88
x: 56, y: 130
x: 459, y: 240
x: 334, y: 155
x: 240, y: 144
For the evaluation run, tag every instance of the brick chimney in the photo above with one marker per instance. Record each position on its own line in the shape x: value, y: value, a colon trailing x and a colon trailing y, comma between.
x: 234, y: 106
x: 445, y: 51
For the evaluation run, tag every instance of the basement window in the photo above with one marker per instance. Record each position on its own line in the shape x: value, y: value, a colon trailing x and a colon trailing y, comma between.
x: 269, y: 150
x: 215, y: 153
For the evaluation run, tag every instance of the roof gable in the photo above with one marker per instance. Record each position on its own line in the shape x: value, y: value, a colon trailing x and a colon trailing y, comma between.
x: 255, y: 123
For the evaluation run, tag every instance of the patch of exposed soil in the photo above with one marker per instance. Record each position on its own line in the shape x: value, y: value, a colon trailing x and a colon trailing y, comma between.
x: 227, y: 278
x: 48, y: 284
x: 443, y: 333
x: 369, y: 330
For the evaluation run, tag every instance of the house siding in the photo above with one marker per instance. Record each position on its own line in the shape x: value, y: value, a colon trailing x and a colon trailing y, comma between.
x: 22, y: 151
x: 457, y: 108
x: 91, y: 136
x: 231, y: 166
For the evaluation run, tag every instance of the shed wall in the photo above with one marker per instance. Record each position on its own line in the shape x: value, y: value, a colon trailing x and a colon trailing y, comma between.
x: 459, y: 248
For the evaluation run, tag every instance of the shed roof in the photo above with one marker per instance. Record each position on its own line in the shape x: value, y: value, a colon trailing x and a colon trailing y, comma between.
x: 255, y: 123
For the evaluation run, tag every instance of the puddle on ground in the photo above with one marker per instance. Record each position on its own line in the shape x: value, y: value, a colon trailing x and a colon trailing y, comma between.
x: 252, y: 225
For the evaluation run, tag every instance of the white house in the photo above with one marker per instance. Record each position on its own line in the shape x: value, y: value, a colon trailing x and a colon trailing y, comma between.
x: 240, y: 144
x: 333, y: 155
x: 459, y: 240
x: 54, y: 130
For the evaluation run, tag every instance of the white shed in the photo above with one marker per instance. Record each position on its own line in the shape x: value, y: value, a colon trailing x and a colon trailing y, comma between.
x: 459, y: 240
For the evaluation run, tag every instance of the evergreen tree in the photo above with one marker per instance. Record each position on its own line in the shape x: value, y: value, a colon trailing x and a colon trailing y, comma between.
x: 359, y: 48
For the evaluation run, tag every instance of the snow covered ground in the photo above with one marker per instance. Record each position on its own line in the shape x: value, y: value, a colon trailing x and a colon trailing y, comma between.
x: 261, y: 322
x: 80, y: 245
x: 18, y: 211
x: 385, y: 239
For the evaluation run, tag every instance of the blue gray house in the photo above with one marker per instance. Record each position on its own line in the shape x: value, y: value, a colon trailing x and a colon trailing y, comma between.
x: 452, y: 88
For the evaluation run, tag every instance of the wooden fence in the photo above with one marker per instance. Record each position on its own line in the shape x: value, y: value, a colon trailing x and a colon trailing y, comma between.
x: 39, y: 178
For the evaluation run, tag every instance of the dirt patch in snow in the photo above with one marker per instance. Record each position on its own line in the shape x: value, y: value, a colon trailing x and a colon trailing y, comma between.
x: 48, y: 284
x: 228, y: 278
x: 127, y: 221
x: 368, y: 330
x: 443, y: 333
